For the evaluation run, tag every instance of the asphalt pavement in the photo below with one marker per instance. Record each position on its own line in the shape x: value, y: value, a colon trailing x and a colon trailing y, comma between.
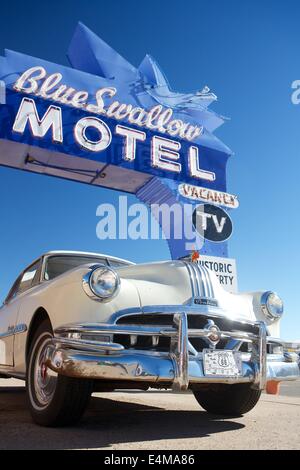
x: 154, y: 420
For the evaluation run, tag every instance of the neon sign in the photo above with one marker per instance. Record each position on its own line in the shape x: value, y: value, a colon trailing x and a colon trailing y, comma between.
x: 164, y: 152
x: 104, y: 122
x: 36, y: 81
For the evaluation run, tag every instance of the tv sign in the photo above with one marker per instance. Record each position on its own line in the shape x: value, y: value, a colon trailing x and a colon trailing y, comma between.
x: 212, y: 222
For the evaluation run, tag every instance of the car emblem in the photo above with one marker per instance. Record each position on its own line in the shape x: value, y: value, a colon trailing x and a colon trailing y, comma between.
x: 206, y: 301
x: 214, y: 334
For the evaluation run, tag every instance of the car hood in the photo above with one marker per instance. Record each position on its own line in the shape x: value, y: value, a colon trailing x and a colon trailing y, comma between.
x: 181, y: 283
x: 149, y: 286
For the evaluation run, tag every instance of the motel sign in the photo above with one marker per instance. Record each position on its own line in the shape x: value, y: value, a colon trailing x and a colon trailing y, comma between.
x: 106, y: 123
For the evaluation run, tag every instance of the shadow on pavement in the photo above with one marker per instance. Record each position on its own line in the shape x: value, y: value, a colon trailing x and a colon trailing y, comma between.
x: 106, y: 422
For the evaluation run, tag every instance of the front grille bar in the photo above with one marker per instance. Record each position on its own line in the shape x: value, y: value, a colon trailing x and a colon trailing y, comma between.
x: 261, y: 358
x: 151, y: 331
x: 179, y: 351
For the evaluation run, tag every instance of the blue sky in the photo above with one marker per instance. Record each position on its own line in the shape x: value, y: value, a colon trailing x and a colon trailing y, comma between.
x: 248, y: 54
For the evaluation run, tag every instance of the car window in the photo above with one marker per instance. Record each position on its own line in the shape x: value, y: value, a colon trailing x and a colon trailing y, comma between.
x: 30, y: 277
x: 56, y: 265
x: 13, y: 290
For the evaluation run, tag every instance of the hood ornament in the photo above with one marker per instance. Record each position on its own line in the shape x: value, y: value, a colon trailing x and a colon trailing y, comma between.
x: 195, y: 256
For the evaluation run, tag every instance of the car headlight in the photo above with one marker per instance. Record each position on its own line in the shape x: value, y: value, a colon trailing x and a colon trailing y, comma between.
x: 101, y: 283
x: 271, y: 305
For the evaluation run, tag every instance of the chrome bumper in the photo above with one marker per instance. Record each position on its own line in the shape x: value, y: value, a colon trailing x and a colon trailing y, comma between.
x: 177, y: 368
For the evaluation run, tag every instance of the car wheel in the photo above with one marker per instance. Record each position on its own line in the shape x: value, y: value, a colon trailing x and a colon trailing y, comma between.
x: 54, y: 400
x: 230, y: 400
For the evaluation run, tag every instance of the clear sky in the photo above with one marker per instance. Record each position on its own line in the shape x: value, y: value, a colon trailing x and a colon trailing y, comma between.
x: 247, y: 52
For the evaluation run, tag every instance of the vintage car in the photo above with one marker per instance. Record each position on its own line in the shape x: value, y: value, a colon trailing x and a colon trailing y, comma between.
x: 76, y: 322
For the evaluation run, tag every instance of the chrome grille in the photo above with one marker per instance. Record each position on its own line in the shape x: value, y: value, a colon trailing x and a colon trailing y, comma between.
x: 195, y: 322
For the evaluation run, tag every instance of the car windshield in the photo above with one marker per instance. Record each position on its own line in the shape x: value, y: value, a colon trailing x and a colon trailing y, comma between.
x: 56, y: 265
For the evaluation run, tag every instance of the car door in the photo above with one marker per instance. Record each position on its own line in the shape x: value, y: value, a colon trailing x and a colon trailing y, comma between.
x: 9, y: 311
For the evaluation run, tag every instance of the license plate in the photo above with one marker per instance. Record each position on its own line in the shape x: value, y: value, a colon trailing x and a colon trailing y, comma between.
x: 221, y: 363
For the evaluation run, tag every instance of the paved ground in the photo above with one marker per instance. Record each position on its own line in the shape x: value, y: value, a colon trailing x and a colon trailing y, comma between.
x: 154, y: 420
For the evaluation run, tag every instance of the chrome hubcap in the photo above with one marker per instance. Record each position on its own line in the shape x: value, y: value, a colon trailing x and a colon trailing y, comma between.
x: 44, y: 378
